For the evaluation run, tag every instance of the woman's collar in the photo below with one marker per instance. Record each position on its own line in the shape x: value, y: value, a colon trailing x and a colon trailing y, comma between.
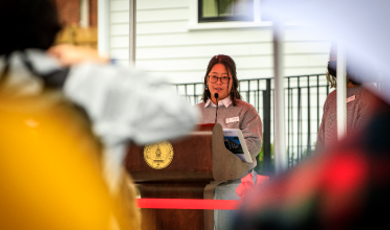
x: 227, y: 101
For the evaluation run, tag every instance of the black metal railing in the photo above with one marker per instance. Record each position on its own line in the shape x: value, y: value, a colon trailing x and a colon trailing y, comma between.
x: 304, y: 98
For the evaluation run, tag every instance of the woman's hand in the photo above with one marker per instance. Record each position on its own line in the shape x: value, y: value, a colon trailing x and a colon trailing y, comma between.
x: 70, y: 55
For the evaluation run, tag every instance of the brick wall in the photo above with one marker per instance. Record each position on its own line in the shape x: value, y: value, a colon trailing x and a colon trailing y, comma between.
x: 93, y: 13
x: 69, y: 12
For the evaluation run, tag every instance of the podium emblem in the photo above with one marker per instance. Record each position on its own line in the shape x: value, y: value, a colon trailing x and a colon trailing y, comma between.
x: 158, y: 155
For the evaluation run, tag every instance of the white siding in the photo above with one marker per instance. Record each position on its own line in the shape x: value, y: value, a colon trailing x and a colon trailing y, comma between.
x: 166, y: 45
x: 119, y: 30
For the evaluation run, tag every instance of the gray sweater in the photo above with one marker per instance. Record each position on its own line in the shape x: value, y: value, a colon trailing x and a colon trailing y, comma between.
x: 358, y: 112
x: 249, y: 123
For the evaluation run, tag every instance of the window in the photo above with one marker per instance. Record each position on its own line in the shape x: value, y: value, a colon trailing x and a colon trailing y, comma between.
x: 225, y: 10
x: 224, y: 14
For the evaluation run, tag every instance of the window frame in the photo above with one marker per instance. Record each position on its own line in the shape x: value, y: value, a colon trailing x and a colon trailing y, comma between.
x: 194, y: 24
x: 222, y: 18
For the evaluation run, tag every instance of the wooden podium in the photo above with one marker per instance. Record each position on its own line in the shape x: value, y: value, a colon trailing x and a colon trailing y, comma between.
x: 200, y: 162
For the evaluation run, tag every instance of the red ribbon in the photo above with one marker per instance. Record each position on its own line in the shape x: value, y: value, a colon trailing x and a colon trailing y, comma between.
x: 187, y: 204
x: 247, y: 184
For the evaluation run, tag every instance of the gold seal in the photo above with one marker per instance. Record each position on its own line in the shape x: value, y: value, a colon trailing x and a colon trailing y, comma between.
x: 158, y: 155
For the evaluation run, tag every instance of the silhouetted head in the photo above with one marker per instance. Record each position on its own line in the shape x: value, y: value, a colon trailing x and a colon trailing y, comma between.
x: 27, y: 24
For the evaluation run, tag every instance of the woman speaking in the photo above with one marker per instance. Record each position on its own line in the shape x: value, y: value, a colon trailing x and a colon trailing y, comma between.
x: 220, y: 90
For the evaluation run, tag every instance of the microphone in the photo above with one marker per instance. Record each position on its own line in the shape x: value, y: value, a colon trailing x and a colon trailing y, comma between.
x: 216, y: 95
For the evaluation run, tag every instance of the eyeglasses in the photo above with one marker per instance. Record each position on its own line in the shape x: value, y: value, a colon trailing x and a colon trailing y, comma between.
x: 214, y: 79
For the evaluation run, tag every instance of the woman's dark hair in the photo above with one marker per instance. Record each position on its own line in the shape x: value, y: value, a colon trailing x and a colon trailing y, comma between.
x: 230, y: 66
x: 27, y: 24
x: 352, y: 74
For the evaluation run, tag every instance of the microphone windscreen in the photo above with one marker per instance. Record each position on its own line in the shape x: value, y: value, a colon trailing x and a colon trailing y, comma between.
x: 216, y: 95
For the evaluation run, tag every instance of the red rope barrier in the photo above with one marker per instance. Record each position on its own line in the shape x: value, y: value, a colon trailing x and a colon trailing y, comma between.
x: 188, y: 204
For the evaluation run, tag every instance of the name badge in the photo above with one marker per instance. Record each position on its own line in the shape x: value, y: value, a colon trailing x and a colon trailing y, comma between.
x: 351, y: 98
x: 232, y: 119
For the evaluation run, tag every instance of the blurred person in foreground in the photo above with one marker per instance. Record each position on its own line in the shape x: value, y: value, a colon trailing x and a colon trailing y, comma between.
x: 357, y: 100
x: 347, y: 186
x: 122, y: 104
x: 50, y: 171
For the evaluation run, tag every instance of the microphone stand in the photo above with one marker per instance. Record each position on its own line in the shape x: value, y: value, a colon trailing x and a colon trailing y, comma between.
x: 216, y: 110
